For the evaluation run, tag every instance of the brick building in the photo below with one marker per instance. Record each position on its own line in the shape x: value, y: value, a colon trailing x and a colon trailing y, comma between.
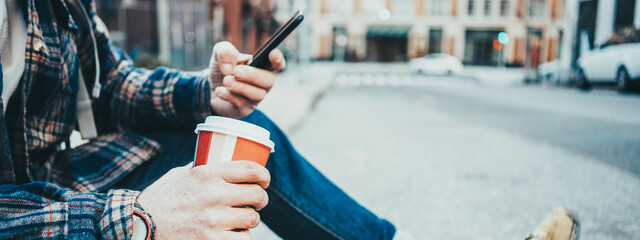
x: 182, y: 32
x: 397, y: 30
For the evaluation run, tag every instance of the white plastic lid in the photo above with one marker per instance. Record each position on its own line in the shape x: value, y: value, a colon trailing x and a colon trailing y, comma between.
x: 237, y: 128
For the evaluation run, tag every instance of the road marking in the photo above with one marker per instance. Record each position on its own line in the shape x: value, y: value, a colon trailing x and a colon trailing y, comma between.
x: 400, y: 79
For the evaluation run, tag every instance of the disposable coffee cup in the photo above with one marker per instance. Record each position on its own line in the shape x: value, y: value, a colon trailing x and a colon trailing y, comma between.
x: 222, y: 139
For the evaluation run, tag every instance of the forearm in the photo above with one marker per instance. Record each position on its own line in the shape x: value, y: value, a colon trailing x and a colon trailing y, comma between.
x: 42, y: 210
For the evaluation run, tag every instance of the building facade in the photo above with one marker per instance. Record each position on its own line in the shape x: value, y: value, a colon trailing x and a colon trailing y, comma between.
x: 132, y: 24
x: 246, y: 24
x: 397, y: 30
x: 188, y: 29
x: 183, y: 32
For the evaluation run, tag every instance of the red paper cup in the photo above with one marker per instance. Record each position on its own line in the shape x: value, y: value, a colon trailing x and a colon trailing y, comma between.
x: 222, y: 139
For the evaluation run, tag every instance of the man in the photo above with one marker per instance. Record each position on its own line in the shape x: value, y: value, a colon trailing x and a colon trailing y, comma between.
x: 145, y: 119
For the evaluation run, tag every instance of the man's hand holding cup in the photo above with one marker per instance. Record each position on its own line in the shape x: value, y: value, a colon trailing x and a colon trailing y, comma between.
x: 207, y: 202
x: 218, y: 196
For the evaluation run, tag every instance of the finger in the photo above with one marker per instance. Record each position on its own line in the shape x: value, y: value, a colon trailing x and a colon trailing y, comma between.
x: 251, y: 195
x: 247, y: 91
x: 277, y: 60
x: 239, y: 102
x: 244, y: 59
x: 226, y: 56
x: 245, y: 172
x: 254, y: 76
x: 242, y: 218
x: 182, y: 168
x: 187, y: 166
x: 237, y: 234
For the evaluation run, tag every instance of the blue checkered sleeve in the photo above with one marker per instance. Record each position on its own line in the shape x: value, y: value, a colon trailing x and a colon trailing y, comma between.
x: 140, y: 99
x: 42, y: 210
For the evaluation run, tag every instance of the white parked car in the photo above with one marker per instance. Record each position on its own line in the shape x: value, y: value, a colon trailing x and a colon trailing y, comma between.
x: 618, y: 64
x: 548, y: 71
x: 436, y: 64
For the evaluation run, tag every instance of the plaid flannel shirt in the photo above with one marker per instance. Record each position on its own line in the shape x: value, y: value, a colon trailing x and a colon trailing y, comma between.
x: 48, y: 193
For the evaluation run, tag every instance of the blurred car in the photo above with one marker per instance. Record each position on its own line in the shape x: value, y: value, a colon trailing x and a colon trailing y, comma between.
x: 548, y: 71
x: 618, y: 64
x: 436, y: 64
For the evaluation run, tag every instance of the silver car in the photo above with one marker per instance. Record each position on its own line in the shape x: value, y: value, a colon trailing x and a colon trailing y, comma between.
x: 436, y: 64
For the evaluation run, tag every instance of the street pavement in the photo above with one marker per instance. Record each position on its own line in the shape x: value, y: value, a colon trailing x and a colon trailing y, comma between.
x: 465, y: 158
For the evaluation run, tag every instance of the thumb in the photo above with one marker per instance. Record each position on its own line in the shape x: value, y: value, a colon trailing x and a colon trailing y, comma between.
x: 223, y: 59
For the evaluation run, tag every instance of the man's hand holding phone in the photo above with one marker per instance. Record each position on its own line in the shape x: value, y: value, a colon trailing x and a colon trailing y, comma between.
x: 236, y: 88
x: 238, y: 82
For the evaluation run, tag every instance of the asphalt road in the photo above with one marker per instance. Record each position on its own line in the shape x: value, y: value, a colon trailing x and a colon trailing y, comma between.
x: 448, y: 158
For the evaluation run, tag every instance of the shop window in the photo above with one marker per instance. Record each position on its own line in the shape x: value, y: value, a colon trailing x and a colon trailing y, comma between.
x: 435, y: 41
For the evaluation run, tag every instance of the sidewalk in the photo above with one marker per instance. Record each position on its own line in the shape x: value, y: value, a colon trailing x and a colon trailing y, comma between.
x: 290, y: 100
x: 495, y: 76
x: 296, y: 92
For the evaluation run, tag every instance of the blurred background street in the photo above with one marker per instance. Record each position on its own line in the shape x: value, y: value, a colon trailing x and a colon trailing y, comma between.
x: 456, y: 158
x: 454, y: 119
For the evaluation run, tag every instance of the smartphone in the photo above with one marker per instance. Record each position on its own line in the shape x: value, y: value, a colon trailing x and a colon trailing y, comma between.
x: 261, y: 56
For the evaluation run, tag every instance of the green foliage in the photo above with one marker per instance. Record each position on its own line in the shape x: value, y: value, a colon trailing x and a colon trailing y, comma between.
x: 149, y: 61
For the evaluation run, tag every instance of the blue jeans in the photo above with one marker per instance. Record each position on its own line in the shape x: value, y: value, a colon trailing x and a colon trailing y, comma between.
x: 303, y: 204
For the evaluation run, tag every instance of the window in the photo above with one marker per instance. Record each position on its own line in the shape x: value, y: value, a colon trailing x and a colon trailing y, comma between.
x: 624, y: 13
x: 284, y: 6
x: 341, y: 7
x: 504, y: 8
x: 438, y: 7
x: 471, y: 7
x: 536, y: 8
x: 403, y: 8
x: 372, y: 7
x: 487, y: 7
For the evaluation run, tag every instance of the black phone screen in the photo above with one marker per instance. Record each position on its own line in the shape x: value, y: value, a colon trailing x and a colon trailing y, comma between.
x: 261, y: 56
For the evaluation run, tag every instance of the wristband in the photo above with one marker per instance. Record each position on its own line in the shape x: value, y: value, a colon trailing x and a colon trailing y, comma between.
x: 144, y: 219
